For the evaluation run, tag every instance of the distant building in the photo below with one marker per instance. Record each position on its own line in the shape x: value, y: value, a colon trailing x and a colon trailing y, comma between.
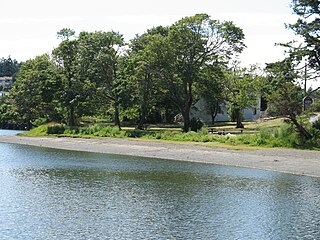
x: 6, y: 83
x: 249, y: 114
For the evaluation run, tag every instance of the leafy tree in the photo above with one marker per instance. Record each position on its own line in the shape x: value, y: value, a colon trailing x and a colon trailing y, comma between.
x: 98, y: 62
x: 192, y: 44
x: 287, y: 102
x: 66, y: 33
x: 241, y: 89
x: 144, y: 75
x: 9, y: 67
x: 8, y: 117
x: 210, y: 88
x: 34, y: 93
x: 307, y: 27
x: 72, y: 92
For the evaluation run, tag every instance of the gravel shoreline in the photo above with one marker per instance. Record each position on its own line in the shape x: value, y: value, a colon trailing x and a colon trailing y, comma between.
x: 300, y: 162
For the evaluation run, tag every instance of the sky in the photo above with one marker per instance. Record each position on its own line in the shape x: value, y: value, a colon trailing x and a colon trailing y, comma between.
x: 28, y: 28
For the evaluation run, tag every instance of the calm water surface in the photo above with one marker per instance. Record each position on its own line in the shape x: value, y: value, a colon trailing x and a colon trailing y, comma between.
x: 54, y: 194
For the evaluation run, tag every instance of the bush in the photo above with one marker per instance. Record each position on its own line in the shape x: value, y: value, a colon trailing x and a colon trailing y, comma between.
x: 195, y: 124
x: 72, y: 131
x: 315, y: 107
x: 136, y: 133
x: 39, y: 131
x: 56, y: 129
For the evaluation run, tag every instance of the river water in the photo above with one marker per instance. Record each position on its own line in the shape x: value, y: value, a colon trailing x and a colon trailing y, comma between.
x: 55, y: 194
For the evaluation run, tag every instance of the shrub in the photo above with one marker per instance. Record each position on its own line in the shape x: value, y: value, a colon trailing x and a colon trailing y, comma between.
x: 39, y: 131
x: 56, y: 129
x: 136, y: 133
x: 195, y: 124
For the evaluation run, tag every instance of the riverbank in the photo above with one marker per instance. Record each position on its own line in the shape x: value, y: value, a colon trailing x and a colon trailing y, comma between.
x: 301, y: 162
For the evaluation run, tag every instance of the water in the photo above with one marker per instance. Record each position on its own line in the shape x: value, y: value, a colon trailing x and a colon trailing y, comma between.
x: 51, y: 194
x: 9, y: 132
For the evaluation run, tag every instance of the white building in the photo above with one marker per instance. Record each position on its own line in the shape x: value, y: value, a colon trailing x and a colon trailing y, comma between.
x: 6, y: 82
x: 249, y: 114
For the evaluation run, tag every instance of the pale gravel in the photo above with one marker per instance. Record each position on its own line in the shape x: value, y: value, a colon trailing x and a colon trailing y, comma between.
x: 301, y: 162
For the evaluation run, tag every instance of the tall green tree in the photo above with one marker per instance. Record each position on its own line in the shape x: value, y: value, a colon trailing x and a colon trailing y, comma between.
x: 192, y: 44
x: 65, y: 56
x: 241, y: 88
x: 211, y: 89
x: 307, y: 27
x: 9, y: 67
x: 284, y: 96
x: 143, y: 63
x: 99, y: 57
x: 34, y: 94
x: 76, y: 91
x: 286, y: 101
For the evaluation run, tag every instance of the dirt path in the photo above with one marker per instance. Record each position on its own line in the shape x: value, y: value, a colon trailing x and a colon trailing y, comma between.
x: 282, y: 160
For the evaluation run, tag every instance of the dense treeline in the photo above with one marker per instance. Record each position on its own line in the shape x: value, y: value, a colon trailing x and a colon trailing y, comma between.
x: 9, y: 67
x: 154, y: 77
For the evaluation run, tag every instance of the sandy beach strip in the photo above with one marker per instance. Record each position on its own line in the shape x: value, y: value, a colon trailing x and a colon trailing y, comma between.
x: 299, y: 162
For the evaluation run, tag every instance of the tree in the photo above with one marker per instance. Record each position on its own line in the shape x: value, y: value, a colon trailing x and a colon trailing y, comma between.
x: 9, y: 67
x: 192, y: 44
x: 66, y: 33
x: 286, y: 101
x: 307, y: 27
x: 74, y: 91
x: 8, y: 117
x: 241, y: 89
x: 99, y: 57
x: 210, y: 88
x: 34, y: 94
x: 143, y: 61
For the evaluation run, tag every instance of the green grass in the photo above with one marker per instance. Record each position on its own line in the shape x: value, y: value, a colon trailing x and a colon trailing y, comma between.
x: 272, y: 133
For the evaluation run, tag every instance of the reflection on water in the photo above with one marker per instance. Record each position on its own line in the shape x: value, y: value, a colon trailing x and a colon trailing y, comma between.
x: 50, y: 194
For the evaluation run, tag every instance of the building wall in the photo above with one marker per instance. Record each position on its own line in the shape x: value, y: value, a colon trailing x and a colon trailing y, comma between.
x: 6, y: 82
x: 249, y: 114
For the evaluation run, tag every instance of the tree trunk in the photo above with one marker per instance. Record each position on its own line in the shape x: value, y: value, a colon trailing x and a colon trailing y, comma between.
x: 186, y: 119
x: 116, y: 115
x: 214, y: 113
x: 70, y: 120
x: 143, y: 115
x: 302, y: 131
x: 238, y: 118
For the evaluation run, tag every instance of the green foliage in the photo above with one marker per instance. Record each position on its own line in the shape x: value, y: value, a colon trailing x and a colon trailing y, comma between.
x: 172, y: 61
x: 38, y: 131
x: 315, y: 107
x: 287, y: 100
x: 307, y: 27
x: 34, y: 95
x: 241, y: 88
x: 137, y: 133
x: 8, y: 117
x: 56, y: 129
x: 9, y: 67
x: 39, y: 122
x: 283, y: 136
x: 66, y: 33
x: 195, y: 124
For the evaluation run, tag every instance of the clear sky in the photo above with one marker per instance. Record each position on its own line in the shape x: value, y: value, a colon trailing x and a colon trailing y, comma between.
x: 29, y: 27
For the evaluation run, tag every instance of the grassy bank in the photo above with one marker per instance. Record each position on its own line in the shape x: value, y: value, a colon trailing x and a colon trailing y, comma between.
x: 272, y: 133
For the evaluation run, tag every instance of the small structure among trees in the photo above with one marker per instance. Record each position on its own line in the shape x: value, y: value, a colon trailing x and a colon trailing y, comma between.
x: 6, y: 83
